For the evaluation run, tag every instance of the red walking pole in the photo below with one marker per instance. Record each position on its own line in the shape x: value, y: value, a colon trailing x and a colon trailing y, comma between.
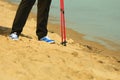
x: 63, y: 27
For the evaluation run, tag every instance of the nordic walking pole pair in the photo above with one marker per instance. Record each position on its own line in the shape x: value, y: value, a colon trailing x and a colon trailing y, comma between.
x: 63, y: 25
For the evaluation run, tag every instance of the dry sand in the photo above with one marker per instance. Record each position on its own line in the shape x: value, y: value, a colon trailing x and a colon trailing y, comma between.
x: 29, y: 59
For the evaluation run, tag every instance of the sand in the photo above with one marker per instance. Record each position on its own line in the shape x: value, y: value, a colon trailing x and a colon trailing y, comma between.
x: 30, y: 59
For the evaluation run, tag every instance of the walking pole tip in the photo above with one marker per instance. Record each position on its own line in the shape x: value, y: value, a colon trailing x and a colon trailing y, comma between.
x: 64, y: 43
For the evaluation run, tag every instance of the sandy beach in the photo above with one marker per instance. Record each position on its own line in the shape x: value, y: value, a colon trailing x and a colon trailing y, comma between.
x: 30, y: 59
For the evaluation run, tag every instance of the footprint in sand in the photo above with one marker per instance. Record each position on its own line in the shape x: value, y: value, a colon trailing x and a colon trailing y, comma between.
x: 75, y: 54
x: 100, y: 61
x: 118, y: 61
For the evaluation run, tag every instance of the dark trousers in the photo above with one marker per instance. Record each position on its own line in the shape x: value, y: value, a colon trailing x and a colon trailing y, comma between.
x: 22, y: 14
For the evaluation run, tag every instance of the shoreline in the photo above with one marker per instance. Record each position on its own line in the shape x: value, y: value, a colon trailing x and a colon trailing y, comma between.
x: 30, y: 59
x: 105, y: 42
x: 89, y: 46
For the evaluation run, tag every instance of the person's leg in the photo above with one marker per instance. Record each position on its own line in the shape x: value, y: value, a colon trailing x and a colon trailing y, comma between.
x: 42, y: 17
x: 22, y: 15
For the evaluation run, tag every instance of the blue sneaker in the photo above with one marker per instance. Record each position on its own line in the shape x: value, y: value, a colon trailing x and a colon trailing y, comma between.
x: 14, y: 36
x: 47, y: 39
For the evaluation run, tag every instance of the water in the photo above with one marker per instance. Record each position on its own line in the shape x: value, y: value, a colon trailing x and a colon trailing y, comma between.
x: 95, y: 18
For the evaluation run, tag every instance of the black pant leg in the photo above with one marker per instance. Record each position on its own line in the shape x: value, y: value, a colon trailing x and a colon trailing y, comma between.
x: 42, y: 17
x: 22, y: 15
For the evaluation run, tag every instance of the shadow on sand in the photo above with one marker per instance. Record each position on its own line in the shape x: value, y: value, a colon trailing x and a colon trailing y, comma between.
x: 5, y: 31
